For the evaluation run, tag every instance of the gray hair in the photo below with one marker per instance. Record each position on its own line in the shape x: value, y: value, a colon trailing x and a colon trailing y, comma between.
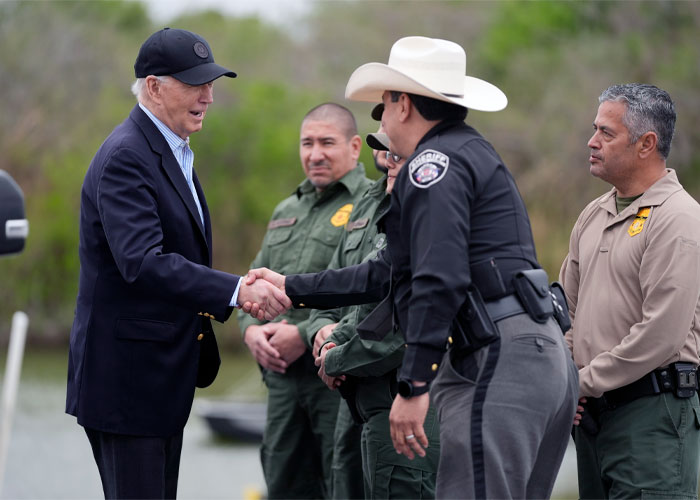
x: 649, y: 109
x: 137, y: 88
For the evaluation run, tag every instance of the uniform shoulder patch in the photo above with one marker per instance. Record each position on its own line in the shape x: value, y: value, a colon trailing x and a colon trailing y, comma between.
x: 428, y: 168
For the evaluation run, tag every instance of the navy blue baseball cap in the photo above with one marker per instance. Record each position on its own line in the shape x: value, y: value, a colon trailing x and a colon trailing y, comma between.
x: 181, y: 54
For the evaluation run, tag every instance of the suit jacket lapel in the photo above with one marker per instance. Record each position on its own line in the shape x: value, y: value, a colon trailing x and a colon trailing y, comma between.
x: 171, y: 167
x: 205, y: 212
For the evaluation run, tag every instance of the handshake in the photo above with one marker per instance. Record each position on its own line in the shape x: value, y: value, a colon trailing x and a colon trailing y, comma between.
x: 261, y: 294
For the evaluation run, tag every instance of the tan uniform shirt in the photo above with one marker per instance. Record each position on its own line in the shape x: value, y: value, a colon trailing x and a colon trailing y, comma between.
x: 632, y: 281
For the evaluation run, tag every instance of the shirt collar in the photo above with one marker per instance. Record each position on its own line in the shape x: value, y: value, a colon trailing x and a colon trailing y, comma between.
x: 352, y: 181
x: 174, y: 141
x: 655, y: 195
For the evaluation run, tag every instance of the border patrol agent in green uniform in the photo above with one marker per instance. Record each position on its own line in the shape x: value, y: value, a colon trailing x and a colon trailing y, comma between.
x: 369, y: 367
x: 302, y: 235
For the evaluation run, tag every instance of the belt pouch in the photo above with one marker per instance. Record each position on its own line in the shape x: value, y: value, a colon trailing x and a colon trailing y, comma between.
x: 685, y: 379
x: 532, y: 288
x: 561, y: 307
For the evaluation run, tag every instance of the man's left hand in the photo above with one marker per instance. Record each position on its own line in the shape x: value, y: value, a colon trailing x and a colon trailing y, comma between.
x: 406, y: 419
x: 332, y: 382
x: 286, y: 339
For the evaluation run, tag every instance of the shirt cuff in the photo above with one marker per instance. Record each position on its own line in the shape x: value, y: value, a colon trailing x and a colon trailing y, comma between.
x: 234, y: 299
x: 421, y: 363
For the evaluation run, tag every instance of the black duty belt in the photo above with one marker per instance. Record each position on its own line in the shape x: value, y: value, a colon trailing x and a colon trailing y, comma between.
x: 505, y: 307
x: 678, y: 378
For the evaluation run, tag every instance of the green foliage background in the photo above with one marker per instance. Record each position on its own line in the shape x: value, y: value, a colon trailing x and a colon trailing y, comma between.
x: 66, y: 68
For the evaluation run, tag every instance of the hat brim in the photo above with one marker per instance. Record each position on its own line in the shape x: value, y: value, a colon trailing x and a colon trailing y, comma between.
x: 203, y: 73
x: 369, y: 81
x: 378, y: 141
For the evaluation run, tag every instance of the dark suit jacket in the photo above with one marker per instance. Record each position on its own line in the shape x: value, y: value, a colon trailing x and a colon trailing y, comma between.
x: 146, y: 291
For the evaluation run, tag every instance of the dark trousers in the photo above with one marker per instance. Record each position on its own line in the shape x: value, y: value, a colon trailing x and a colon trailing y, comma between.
x: 136, y: 466
x: 649, y: 448
x: 505, y: 413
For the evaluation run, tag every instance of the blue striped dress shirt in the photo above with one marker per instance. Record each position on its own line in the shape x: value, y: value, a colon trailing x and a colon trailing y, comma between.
x: 185, y: 158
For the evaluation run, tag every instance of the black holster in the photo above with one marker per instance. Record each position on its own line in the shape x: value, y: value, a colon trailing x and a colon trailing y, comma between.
x: 473, y: 328
x: 348, y: 390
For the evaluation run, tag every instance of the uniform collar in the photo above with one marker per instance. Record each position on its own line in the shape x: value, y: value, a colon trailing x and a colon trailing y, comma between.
x: 443, y: 125
x: 352, y: 182
x: 658, y: 193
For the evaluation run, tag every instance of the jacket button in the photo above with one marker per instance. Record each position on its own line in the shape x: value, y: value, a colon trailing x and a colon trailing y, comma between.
x: 434, y: 367
x: 212, y: 316
x: 200, y: 336
x: 302, y: 305
x: 200, y: 314
x: 449, y: 339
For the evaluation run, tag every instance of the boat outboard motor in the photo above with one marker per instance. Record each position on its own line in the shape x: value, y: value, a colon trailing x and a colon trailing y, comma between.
x: 14, y: 227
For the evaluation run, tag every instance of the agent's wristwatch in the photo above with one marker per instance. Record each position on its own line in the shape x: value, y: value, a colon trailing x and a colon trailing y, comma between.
x: 408, y: 390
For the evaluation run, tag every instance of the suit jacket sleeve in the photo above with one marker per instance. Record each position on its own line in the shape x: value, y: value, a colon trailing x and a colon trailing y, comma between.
x: 127, y: 199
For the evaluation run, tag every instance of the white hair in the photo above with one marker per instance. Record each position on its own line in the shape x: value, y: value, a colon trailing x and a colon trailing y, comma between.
x: 137, y: 88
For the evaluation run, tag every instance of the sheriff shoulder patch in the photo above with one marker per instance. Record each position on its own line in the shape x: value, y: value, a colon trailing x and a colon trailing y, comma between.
x: 428, y: 168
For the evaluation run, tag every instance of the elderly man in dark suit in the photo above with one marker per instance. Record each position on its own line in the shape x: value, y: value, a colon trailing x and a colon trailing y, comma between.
x: 142, y: 337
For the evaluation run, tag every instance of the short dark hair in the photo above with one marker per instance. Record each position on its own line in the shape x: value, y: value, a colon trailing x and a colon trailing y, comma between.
x: 337, y: 114
x: 433, y: 109
x: 648, y: 109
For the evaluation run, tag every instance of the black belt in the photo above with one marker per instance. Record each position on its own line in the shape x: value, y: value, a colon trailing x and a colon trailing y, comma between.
x: 505, y: 307
x: 659, y: 381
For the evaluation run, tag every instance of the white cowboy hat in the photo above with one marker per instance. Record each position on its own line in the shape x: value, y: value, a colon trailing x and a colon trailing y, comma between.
x: 429, y: 67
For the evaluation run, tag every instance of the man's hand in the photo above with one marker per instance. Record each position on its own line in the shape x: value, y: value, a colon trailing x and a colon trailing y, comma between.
x: 276, y: 279
x: 579, y: 411
x: 262, y: 300
x: 321, y: 337
x: 332, y: 382
x: 286, y: 340
x: 258, y: 342
x: 406, y: 419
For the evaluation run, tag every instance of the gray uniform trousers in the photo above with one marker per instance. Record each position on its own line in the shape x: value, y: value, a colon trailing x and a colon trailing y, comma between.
x: 506, y: 413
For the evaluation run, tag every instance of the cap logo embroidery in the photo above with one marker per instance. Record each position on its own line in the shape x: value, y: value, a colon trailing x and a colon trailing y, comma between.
x: 201, y: 50
x: 342, y: 216
x: 638, y: 223
x: 428, y: 168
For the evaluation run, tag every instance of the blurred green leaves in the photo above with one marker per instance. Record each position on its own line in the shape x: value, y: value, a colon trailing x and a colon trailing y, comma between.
x: 66, y: 68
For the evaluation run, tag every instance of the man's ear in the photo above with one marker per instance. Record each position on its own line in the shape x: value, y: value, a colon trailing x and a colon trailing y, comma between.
x: 356, y: 147
x: 405, y: 107
x: 154, y: 88
x: 647, y: 144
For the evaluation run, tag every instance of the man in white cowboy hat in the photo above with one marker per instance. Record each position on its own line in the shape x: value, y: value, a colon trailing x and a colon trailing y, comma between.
x: 476, y: 310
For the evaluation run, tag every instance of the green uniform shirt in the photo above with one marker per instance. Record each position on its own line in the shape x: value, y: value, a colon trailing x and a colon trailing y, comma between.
x: 361, y: 241
x: 303, y: 233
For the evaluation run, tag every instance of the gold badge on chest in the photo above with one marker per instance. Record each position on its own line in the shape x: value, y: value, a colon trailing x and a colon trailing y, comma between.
x: 342, y: 216
x: 638, y: 223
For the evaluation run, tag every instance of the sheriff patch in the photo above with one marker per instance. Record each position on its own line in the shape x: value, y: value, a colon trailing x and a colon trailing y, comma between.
x: 428, y: 168
x: 638, y: 223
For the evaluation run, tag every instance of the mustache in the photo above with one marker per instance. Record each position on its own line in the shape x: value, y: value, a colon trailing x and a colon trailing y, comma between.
x: 319, y: 164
